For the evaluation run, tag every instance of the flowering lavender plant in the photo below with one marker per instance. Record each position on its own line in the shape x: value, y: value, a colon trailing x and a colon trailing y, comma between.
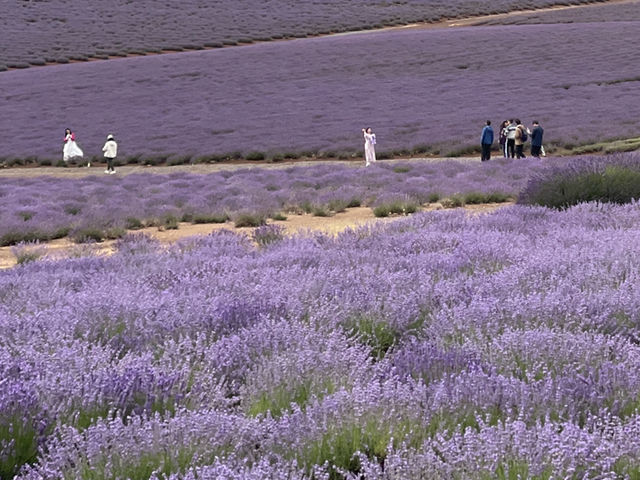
x: 441, y: 345
x: 615, y: 179
x: 268, y: 234
x: 46, y: 208
x: 28, y: 252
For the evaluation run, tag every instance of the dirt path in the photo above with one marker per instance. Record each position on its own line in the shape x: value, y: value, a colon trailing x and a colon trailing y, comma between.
x: 351, y: 218
x: 201, y: 168
x: 444, y: 23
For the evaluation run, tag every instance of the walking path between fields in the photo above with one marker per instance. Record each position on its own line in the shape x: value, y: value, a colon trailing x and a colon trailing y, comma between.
x: 203, y: 168
x: 444, y: 23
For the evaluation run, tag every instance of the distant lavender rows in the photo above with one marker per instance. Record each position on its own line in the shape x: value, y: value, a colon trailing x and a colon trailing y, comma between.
x: 41, y: 208
x: 442, y: 346
x: 58, y: 30
x: 612, y: 12
x: 432, y: 88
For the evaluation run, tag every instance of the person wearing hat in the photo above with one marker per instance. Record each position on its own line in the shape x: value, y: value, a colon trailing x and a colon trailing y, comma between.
x: 110, y: 150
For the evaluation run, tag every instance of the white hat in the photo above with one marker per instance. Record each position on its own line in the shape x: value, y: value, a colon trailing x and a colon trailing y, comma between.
x: 109, y: 137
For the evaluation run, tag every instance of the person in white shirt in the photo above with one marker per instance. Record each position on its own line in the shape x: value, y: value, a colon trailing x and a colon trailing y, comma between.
x: 110, y: 150
x: 511, y: 138
x: 369, y: 146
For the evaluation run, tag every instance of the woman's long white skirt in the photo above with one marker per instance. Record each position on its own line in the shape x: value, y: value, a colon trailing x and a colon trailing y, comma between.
x: 71, y: 150
x: 369, y: 154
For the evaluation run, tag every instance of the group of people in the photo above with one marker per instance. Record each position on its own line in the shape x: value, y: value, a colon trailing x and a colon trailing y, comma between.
x: 513, y: 136
x: 72, y: 150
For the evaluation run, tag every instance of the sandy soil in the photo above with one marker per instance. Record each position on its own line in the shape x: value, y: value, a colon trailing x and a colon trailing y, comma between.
x: 351, y: 218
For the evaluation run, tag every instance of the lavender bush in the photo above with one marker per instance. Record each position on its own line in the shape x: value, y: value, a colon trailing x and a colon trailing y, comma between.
x: 616, y: 179
x: 95, y: 208
x: 438, y: 346
x: 62, y: 30
x: 418, y: 89
x: 268, y: 234
x: 28, y: 252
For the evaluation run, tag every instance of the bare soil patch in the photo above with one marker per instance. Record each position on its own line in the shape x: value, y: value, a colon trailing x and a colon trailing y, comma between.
x: 351, y: 218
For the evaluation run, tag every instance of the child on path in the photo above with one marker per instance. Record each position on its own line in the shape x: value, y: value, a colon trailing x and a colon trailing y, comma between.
x: 110, y: 150
x: 369, y: 146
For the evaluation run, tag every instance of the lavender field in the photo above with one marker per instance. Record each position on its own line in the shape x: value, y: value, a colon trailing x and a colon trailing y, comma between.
x: 422, y: 90
x: 95, y: 207
x: 625, y: 11
x: 441, y: 346
x: 39, y: 32
x: 446, y: 345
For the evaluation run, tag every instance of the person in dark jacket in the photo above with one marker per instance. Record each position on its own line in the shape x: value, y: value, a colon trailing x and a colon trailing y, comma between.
x: 536, y: 139
x: 503, y: 133
x: 486, y: 140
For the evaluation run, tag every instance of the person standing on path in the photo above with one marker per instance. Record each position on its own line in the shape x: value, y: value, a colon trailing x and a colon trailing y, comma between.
x: 511, y: 139
x: 486, y: 140
x: 369, y: 146
x: 503, y: 137
x: 110, y: 150
x: 521, y: 137
x: 536, y: 139
x: 71, y: 148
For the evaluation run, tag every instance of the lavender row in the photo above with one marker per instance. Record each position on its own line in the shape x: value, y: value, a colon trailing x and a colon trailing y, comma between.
x: 440, y: 346
x: 431, y: 90
x: 43, y: 208
x: 62, y: 30
x: 611, y: 12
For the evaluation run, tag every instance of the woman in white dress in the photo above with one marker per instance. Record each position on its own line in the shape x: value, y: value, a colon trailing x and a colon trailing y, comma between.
x: 71, y: 148
x: 369, y: 146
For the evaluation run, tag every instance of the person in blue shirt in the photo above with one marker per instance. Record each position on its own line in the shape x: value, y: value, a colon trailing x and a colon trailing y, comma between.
x: 536, y: 139
x: 486, y: 140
